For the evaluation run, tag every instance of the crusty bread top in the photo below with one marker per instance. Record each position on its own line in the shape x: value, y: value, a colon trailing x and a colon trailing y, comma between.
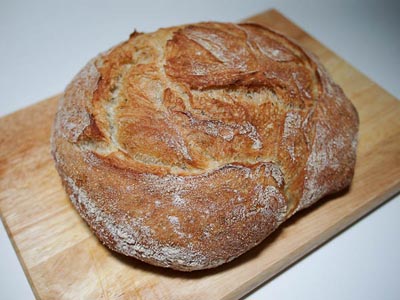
x: 208, y: 129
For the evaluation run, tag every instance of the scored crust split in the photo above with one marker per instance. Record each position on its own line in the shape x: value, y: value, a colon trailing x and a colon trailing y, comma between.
x: 188, y: 146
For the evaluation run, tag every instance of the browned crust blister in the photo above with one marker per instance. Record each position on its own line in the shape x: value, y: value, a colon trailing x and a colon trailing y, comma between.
x: 188, y: 146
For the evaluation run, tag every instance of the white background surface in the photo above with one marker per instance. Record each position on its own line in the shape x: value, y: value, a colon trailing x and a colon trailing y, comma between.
x: 44, y: 43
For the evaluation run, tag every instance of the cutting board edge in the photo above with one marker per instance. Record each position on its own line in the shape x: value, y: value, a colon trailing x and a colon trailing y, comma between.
x: 323, y: 45
x: 19, y: 256
x: 385, y: 199
x: 30, y: 106
x: 271, y: 11
x: 315, y: 243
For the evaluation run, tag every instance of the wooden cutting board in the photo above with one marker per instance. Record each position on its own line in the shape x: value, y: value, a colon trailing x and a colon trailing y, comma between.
x: 63, y: 260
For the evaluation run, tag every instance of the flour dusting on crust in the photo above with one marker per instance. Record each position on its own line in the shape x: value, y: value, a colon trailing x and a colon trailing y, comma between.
x: 128, y: 234
x: 188, y: 146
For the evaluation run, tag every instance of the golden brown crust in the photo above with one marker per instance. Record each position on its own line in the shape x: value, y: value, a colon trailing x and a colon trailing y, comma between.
x: 188, y: 146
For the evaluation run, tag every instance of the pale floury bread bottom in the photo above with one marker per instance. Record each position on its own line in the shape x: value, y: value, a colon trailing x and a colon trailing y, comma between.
x: 188, y: 146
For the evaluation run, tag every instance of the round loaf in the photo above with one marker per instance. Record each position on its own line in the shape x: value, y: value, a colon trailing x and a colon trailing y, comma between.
x: 188, y: 146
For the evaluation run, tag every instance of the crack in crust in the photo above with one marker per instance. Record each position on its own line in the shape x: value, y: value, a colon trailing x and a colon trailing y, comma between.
x: 201, y: 139
x: 237, y: 114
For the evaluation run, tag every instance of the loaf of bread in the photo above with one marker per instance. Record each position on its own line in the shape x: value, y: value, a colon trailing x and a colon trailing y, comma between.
x: 186, y: 147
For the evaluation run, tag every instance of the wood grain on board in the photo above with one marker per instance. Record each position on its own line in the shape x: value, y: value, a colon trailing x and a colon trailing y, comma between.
x: 63, y: 259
